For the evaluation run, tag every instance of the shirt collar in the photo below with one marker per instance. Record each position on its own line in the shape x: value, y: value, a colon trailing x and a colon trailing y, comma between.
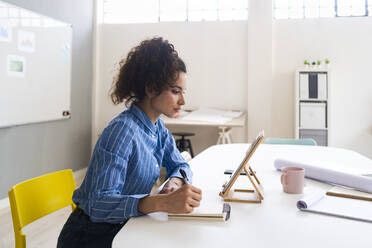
x: 143, y: 117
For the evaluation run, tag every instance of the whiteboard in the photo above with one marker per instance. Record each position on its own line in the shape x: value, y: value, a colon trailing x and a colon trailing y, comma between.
x: 35, y: 67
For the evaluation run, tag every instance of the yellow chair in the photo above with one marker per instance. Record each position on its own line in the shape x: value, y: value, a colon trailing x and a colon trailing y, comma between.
x: 37, y: 197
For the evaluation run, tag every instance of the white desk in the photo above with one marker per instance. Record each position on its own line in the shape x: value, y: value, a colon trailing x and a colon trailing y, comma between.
x: 268, y: 224
x: 225, y: 128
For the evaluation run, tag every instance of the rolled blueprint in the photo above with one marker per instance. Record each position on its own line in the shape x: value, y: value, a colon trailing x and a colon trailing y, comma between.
x: 330, y: 176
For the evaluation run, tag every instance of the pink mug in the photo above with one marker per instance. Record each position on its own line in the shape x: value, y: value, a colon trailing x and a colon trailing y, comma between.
x: 292, y: 179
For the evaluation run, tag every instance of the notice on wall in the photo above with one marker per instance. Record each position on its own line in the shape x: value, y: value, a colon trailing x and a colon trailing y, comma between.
x: 65, y: 53
x: 5, y: 32
x: 26, y: 41
x: 16, y: 65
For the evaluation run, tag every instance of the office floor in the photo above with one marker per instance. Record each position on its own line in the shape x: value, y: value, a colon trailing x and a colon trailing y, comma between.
x: 41, y: 233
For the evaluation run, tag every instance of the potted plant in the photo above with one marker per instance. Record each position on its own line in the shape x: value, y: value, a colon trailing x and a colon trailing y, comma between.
x: 326, y: 62
x: 306, y: 63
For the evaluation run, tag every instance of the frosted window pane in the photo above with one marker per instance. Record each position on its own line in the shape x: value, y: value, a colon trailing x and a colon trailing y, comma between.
x: 34, y: 15
x: 358, y: 10
x: 3, y: 12
x: 327, y: 12
x: 311, y: 3
x: 311, y: 12
x: 173, y: 16
x: 14, y: 21
x: 210, y: 15
x: 240, y: 14
x: 281, y: 13
x: 295, y: 3
x: 172, y: 5
x: 210, y: 4
x: 129, y: 11
x: 225, y: 15
x: 13, y: 12
x: 200, y: 15
x: 296, y: 13
x: 358, y: 3
x: 327, y: 3
x: 36, y: 22
x: 344, y: 11
x: 343, y: 2
x: 25, y: 13
x: 26, y: 22
x: 195, y: 4
x: 281, y: 4
x: 232, y: 4
x: 204, y: 4
x: 48, y: 22
x: 172, y: 10
x: 196, y: 15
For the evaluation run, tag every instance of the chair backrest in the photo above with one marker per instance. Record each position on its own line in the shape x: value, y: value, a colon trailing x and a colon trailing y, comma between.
x: 280, y: 141
x: 37, y: 197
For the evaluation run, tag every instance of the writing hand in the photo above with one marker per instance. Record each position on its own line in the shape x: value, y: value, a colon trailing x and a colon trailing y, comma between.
x: 183, y: 200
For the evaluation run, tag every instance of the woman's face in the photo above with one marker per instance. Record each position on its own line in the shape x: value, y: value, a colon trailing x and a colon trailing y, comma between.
x: 169, y: 102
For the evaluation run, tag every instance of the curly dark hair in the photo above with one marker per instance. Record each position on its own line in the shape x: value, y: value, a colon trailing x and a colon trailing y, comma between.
x: 154, y: 64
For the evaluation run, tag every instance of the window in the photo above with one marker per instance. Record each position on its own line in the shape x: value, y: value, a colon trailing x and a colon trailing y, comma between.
x: 291, y: 9
x: 127, y: 11
x: 147, y: 11
x: 20, y: 17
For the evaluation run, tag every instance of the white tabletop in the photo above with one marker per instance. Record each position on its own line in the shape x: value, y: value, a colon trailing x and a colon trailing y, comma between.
x: 276, y: 222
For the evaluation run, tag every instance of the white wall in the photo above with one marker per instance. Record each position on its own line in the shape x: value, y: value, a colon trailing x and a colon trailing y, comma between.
x: 251, y: 65
x: 215, y: 56
x: 347, y: 43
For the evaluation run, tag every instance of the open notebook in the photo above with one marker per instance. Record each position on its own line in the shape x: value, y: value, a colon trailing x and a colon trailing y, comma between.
x: 215, y: 212
x: 321, y: 203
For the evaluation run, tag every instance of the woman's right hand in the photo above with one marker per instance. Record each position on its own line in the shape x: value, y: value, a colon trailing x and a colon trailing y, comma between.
x: 183, y: 200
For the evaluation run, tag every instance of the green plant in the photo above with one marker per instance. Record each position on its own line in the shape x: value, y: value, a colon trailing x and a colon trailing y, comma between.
x: 326, y: 61
x: 306, y: 62
x: 318, y: 62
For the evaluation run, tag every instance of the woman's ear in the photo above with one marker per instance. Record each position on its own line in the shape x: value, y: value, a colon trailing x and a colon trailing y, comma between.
x: 149, y: 92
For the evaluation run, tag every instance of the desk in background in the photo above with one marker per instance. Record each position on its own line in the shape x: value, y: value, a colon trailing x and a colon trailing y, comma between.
x: 224, y: 126
x: 276, y: 222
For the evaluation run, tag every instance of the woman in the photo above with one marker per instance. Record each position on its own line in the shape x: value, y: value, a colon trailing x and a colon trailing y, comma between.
x: 126, y: 160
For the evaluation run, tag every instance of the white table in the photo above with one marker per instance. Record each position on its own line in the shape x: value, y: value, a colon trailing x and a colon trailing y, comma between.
x: 276, y: 222
x: 225, y: 128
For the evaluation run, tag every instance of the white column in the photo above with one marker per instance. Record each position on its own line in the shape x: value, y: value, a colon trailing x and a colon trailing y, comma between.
x: 259, y: 67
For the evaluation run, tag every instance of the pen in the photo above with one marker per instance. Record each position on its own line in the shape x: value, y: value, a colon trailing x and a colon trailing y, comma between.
x: 184, y: 176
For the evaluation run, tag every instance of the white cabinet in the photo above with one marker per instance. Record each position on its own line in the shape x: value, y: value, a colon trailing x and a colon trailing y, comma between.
x: 312, y: 115
x: 312, y: 104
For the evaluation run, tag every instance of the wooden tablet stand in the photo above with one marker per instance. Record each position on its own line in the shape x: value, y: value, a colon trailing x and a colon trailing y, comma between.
x: 227, y: 193
x: 257, y: 189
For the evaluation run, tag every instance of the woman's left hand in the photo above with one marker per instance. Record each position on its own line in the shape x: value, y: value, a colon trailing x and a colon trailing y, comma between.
x: 173, y: 184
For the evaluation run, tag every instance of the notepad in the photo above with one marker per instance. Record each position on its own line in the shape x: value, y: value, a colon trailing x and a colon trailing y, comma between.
x: 208, y: 212
x: 319, y: 202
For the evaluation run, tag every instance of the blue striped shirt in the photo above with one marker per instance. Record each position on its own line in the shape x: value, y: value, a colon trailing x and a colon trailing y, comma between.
x: 125, y: 165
